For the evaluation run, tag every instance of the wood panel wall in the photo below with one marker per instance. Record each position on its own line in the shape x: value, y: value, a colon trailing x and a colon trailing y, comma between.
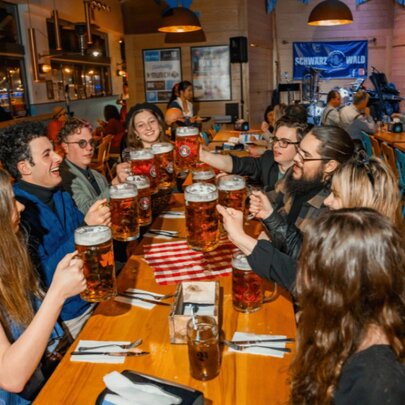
x: 220, y: 22
x: 374, y: 19
x: 398, y: 51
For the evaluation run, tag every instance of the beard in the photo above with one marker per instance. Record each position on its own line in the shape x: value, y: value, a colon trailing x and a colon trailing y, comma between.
x: 297, y: 188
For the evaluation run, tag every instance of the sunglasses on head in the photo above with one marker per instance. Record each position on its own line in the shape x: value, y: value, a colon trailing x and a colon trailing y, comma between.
x: 83, y: 143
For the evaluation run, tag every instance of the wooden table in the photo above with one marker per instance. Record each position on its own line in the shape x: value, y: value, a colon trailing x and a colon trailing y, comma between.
x: 390, y: 137
x: 244, y: 378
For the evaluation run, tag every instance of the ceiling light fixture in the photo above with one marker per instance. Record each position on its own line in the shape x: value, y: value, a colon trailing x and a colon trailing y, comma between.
x: 330, y: 12
x: 179, y: 19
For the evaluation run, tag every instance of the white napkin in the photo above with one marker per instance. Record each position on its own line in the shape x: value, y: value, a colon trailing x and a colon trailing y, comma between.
x: 136, y: 393
x: 95, y: 358
x: 172, y: 214
x: 135, y: 302
x: 259, y: 350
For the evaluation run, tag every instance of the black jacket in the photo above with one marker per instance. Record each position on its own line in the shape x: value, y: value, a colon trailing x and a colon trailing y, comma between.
x: 262, y: 169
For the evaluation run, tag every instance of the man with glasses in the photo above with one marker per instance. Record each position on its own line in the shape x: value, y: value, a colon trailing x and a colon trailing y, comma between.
x: 50, y: 216
x: 84, y: 184
x: 269, y: 168
x: 299, y: 199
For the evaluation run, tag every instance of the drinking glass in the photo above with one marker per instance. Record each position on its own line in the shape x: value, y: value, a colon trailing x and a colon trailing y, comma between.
x: 94, y: 244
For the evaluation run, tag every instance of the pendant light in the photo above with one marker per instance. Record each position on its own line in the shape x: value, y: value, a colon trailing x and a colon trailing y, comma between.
x: 33, y: 47
x: 330, y: 12
x: 179, y: 19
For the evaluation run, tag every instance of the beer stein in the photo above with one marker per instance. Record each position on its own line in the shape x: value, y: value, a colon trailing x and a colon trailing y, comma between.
x: 142, y: 184
x: 94, y: 244
x: 232, y: 193
x: 201, y: 216
x: 203, y: 176
x: 248, y: 287
x: 143, y: 163
x: 187, y: 146
x: 203, y: 347
x: 163, y: 152
x: 124, y: 212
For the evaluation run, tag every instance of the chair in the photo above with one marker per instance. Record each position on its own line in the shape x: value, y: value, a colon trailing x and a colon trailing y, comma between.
x: 400, y: 161
x: 375, y: 144
x: 389, y: 157
x: 100, y: 163
x: 205, y: 137
x: 365, y: 140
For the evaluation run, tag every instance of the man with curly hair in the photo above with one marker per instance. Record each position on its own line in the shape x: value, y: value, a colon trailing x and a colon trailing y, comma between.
x: 84, y: 184
x: 50, y: 216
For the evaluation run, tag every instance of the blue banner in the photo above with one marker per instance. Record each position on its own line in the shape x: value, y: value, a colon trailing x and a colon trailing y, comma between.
x: 334, y: 60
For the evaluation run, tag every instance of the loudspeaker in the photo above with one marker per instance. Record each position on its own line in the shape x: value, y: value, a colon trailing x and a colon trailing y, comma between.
x: 232, y: 109
x: 238, y: 49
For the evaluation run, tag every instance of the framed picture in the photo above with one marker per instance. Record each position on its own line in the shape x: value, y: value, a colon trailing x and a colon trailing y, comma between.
x: 211, y: 73
x: 162, y: 69
x: 49, y: 90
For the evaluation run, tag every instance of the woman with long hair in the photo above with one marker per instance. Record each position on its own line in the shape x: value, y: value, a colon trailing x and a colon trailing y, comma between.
x: 28, y: 319
x: 145, y: 126
x: 351, y: 295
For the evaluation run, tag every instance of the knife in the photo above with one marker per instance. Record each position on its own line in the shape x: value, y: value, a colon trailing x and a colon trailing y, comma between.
x: 134, y: 296
x: 117, y: 354
x: 163, y: 233
x: 258, y: 341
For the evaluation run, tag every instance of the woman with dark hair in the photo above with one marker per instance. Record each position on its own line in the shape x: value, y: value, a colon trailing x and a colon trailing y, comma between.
x: 28, y: 327
x: 184, y: 102
x: 351, y: 295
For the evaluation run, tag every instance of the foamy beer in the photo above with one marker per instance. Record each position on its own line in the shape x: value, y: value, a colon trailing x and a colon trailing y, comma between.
x: 143, y: 163
x: 248, y: 292
x: 142, y: 184
x: 94, y: 244
x: 187, y: 145
x: 163, y: 152
x: 201, y: 216
x: 203, y: 176
x: 124, y: 212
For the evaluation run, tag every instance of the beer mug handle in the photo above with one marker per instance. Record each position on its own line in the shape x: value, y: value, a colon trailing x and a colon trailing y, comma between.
x: 273, y: 295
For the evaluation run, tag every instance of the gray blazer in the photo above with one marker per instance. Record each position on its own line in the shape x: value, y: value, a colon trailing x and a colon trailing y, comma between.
x: 76, y: 183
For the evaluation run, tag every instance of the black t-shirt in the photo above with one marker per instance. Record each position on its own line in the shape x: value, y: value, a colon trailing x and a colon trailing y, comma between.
x: 372, y: 377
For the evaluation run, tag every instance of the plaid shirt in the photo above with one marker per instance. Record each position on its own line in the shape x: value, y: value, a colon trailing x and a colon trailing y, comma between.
x: 309, y: 211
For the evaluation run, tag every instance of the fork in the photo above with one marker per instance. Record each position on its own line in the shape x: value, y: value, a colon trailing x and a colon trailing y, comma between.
x: 241, y: 348
x: 156, y: 297
x: 125, y: 346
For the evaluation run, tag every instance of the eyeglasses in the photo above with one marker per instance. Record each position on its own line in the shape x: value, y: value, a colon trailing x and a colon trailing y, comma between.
x: 283, y: 143
x: 83, y: 143
x: 305, y: 159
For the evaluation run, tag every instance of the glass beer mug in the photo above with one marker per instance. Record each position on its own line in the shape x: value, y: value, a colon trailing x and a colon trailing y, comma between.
x: 203, y: 176
x: 163, y: 152
x: 94, y: 244
x: 143, y: 163
x: 124, y: 212
x: 203, y: 347
x: 201, y: 216
x: 232, y: 193
x: 247, y: 287
x: 187, y: 146
x: 142, y: 183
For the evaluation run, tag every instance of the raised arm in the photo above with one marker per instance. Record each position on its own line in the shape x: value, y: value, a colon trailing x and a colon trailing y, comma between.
x: 19, y: 360
x: 220, y: 162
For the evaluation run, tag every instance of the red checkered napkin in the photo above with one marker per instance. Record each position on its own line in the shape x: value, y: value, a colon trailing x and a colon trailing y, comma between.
x: 174, y: 262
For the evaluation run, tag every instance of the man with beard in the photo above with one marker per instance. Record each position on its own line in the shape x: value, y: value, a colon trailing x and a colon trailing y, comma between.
x: 298, y: 200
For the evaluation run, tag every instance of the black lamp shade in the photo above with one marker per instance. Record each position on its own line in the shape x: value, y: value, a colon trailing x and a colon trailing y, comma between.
x: 330, y: 12
x: 179, y: 19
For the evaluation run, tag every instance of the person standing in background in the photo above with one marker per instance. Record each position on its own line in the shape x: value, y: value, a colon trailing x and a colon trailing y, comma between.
x: 59, y: 115
x: 330, y: 115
